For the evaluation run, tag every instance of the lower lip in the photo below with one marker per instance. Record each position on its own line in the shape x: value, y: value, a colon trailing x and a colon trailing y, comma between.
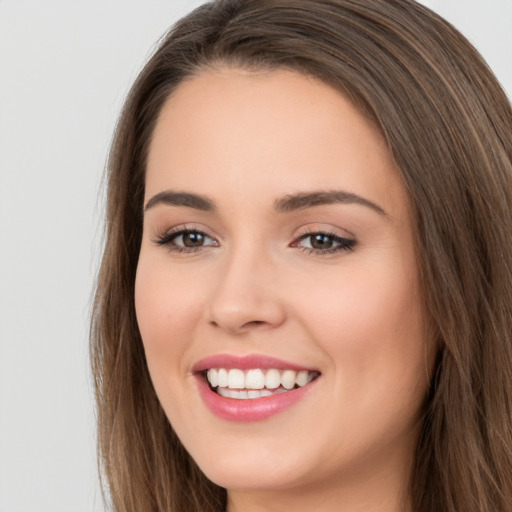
x: 251, y: 409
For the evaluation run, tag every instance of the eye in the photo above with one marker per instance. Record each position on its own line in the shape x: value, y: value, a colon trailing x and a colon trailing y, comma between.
x: 186, y: 240
x: 324, y: 243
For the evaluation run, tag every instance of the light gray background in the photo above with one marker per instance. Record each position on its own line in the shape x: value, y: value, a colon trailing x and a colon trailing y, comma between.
x: 64, y: 70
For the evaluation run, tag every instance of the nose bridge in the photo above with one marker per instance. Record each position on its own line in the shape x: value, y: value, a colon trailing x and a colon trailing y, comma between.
x: 244, y: 297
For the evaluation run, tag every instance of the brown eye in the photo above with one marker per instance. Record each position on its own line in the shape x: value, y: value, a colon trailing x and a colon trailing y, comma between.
x: 321, y: 241
x: 192, y: 239
x: 186, y: 240
x: 324, y: 243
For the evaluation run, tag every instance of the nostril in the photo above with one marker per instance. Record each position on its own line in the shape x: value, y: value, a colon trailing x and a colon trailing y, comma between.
x: 247, y: 326
x: 254, y: 324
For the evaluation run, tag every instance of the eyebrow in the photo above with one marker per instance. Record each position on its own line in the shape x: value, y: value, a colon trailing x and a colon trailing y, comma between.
x: 288, y: 203
x: 304, y: 200
x: 171, y: 198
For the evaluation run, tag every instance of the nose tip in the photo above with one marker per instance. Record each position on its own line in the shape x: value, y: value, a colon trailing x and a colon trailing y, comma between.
x: 246, y: 300
x: 241, y: 318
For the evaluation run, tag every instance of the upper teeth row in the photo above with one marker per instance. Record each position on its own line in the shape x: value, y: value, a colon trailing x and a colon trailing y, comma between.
x: 257, y: 378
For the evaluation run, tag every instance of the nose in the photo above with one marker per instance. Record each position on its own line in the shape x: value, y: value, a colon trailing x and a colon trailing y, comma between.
x: 246, y: 295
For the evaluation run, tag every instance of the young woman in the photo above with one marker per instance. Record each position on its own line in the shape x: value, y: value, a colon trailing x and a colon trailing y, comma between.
x: 305, y: 299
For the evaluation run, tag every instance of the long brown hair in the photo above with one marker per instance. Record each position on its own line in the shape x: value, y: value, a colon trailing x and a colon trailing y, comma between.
x: 448, y: 125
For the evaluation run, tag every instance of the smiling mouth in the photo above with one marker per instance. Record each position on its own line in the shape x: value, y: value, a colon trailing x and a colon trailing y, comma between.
x: 256, y: 383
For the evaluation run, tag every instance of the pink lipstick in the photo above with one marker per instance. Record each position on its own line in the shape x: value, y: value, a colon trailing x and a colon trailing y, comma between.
x: 253, y: 387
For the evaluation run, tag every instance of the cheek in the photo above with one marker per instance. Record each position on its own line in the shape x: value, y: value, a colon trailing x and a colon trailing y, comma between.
x: 366, y: 304
x: 372, y: 334
x: 370, y: 325
x: 168, y: 308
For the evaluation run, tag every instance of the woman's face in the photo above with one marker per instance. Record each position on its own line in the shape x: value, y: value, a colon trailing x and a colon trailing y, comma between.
x: 277, y: 238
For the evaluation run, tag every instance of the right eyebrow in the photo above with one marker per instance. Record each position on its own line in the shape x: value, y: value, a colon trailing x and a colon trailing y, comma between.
x: 172, y: 198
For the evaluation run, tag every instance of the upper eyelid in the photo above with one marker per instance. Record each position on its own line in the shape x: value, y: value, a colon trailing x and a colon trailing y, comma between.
x: 328, y: 234
x: 167, y: 240
x: 174, y: 233
x: 183, y: 228
x: 332, y: 231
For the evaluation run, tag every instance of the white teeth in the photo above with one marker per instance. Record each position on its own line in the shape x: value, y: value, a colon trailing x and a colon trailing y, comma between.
x: 272, y: 379
x: 222, y: 377
x: 302, y: 378
x: 255, y: 379
x: 236, y: 379
x: 288, y: 379
x: 255, y: 383
x: 243, y: 394
x: 213, y: 377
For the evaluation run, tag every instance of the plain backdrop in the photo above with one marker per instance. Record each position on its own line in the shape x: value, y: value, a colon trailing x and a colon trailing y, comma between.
x: 65, y: 68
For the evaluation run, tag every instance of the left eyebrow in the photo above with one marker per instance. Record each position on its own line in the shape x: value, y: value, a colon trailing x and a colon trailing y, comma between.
x: 303, y: 200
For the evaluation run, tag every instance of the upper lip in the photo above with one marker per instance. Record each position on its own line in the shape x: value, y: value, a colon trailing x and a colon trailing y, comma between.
x: 246, y: 362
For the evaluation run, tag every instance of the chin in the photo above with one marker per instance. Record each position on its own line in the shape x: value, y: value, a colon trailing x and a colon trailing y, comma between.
x: 239, y: 473
x: 256, y: 461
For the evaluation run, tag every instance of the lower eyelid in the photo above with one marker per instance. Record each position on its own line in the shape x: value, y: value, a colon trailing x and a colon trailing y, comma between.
x: 346, y: 246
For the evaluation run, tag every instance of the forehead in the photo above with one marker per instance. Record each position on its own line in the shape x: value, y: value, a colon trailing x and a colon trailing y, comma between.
x: 228, y: 129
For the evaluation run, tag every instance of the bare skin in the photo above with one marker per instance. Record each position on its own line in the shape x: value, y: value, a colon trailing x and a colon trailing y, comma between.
x: 327, y: 281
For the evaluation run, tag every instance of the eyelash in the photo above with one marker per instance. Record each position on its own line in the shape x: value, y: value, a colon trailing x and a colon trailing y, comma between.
x: 343, y: 244
x: 168, y: 238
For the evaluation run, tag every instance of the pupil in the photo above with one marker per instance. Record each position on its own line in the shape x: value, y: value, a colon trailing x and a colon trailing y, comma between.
x: 321, y: 242
x: 193, y: 239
